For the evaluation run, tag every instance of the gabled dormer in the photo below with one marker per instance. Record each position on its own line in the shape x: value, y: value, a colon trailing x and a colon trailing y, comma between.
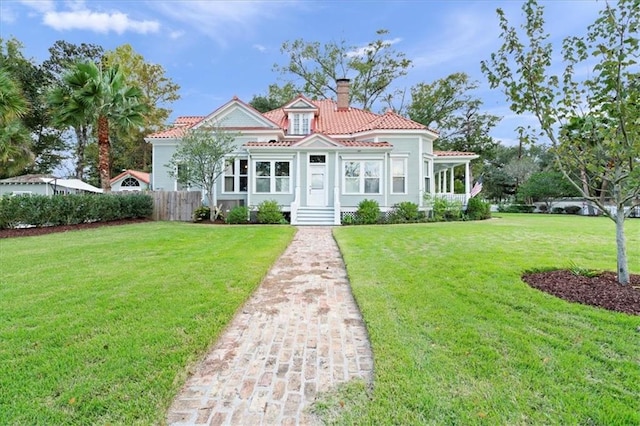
x: 301, y: 113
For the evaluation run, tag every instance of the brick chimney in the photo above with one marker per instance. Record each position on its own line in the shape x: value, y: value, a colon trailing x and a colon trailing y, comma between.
x: 343, y: 94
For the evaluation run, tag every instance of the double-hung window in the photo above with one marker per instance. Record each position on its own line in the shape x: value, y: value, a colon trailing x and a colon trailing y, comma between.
x: 300, y: 124
x: 399, y: 176
x: 273, y: 176
x: 236, y: 175
x: 362, y: 177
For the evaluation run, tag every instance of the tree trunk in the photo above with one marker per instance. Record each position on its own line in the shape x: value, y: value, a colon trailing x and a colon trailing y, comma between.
x: 81, y: 143
x: 104, y: 164
x: 585, y: 189
x: 623, y: 270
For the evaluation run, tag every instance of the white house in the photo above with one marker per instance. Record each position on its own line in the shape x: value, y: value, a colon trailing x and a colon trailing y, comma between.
x: 131, y: 180
x: 44, y: 185
x: 319, y: 159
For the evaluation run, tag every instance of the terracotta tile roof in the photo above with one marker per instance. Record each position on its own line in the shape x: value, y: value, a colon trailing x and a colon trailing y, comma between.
x: 351, y: 144
x: 452, y: 153
x: 333, y: 122
x: 177, y: 130
x: 141, y: 176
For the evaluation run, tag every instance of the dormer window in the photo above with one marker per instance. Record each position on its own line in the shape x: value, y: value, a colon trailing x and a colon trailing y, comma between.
x: 300, y: 123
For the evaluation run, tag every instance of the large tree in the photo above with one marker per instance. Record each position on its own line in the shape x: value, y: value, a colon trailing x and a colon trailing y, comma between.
x: 158, y: 92
x: 101, y: 95
x: 315, y: 68
x: 200, y: 158
x: 609, y: 96
x: 276, y: 97
x: 47, y: 144
x: 15, y: 141
x: 449, y: 105
x: 62, y: 56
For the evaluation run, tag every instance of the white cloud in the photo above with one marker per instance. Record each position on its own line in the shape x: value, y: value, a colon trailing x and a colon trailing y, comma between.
x: 174, y: 35
x: 221, y: 20
x: 7, y: 15
x: 41, y: 6
x: 361, y: 51
x: 259, y: 47
x: 99, y: 22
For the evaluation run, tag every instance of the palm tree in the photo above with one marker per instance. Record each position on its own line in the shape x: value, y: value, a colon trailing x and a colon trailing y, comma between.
x: 15, y: 142
x: 101, y: 96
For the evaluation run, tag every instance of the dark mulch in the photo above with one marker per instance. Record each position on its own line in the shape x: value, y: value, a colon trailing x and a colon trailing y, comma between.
x: 29, y: 232
x: 602, y: 291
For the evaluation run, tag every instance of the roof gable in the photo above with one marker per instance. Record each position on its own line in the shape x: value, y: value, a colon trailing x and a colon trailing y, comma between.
x: 300, y: 103
x: 236, y: 114
x: 317, y: 140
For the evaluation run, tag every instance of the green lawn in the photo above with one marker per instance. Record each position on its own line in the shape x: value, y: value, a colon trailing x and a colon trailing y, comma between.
x: 458, y: 338
x: 98, y: 326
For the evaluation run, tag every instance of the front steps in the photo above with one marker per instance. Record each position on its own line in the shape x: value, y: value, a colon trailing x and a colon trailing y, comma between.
x: 319, y: 216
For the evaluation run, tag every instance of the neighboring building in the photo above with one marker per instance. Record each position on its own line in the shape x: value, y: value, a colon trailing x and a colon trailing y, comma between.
x: 44, y: 185
x: 319, y: 159
x: 130, y: 180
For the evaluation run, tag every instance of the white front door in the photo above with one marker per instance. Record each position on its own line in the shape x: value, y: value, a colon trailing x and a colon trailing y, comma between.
x: 317, y: 181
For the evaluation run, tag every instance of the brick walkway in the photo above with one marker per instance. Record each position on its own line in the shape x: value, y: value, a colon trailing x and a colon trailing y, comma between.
x: 300, y: 333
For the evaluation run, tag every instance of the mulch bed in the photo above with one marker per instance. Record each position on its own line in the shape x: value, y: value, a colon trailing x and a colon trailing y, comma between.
x: 29, y: 232
x: 602, y: 291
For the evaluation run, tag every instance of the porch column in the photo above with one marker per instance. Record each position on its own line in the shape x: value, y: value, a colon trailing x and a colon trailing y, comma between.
x: 451, y: 185
x: 467, y: 180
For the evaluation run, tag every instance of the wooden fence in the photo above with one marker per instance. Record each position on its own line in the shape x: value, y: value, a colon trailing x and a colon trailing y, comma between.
x: 175, y: 205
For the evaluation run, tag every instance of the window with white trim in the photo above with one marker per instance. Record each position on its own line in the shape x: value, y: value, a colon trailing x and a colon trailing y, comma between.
x: 130, y: 182
x: 300, y: 124
x: 362, y: 177
x: 427, y: 178
x: 398, y: 175
x: 273, y: 176
x: 236, y: 175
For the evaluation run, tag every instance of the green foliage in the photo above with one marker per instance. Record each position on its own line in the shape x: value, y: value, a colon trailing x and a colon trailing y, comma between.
x: 319, y: 67
x: 446, y: 210
x: 547, y: 186
x: 591, y: 122
x: 199, y: 158
x: 201, y: 213
x: 582, y: 271
x: 42, y: 210
x: 368, y: 212
x: 238, y: 215
x: 478, y: 209
x: 405, y: 212
x: 349, y: 219
x: 269, y: 212
x: 516, y: 208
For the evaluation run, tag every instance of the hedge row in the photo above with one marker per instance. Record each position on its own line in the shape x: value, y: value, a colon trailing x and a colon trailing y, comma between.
x: 42, y: 210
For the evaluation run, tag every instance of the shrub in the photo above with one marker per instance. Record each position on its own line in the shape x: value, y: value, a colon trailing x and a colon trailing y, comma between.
x: 557, y: 210
x: 573, y: 209
x: 202, y: 213
x: 269, y: 213
x: 368, y: 212
x: 478, y: 209
x: 238, y: 214
x: 445, y: 210
x: 348, y: 219
x: 42, y: 210
x: 404, y: 212
x: 516, y: 208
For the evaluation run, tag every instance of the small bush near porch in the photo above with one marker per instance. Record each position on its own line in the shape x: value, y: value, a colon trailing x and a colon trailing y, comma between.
x: 99, y: 326
x: 458, y: 338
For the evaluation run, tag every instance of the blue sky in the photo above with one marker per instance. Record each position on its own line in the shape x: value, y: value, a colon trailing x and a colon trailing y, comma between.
x: 219, y: 49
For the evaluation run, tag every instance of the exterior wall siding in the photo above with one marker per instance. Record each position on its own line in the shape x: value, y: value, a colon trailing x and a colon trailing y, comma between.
x: 33, y: 188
